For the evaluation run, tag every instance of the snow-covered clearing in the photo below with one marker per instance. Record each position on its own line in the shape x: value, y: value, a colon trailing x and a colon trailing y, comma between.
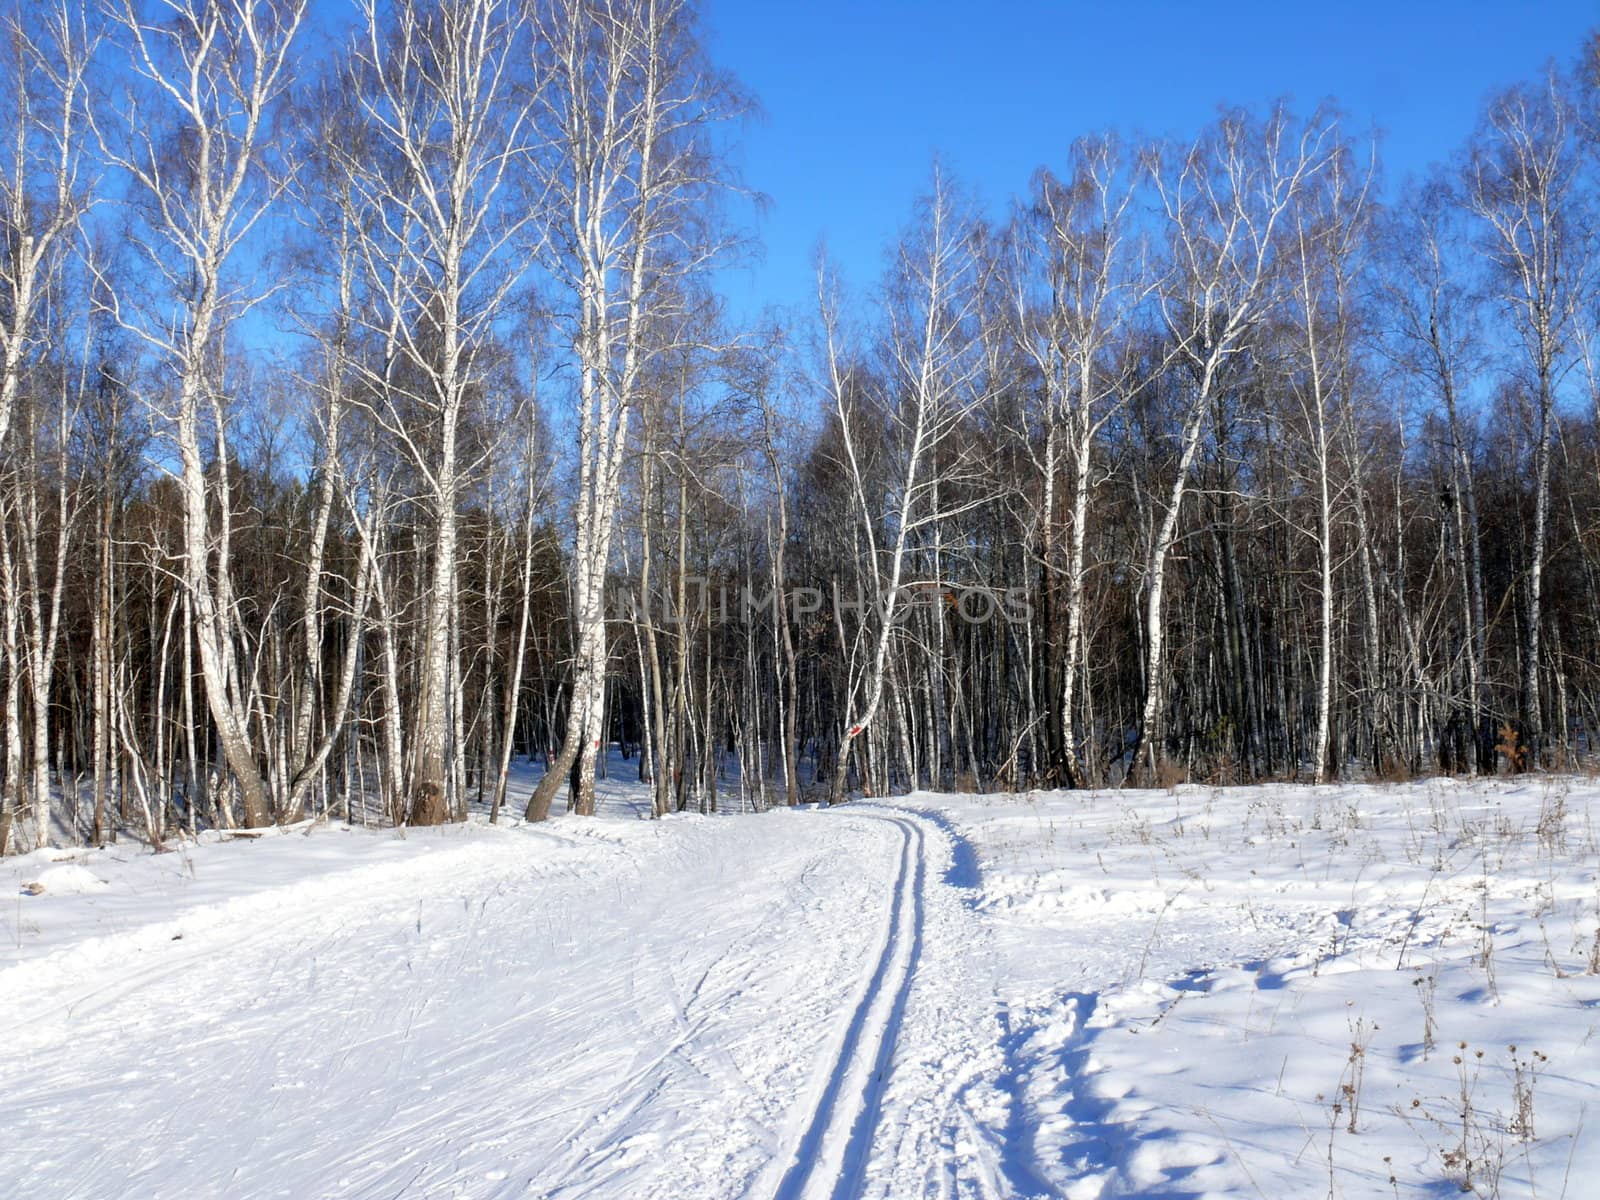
x: 1263, y: 991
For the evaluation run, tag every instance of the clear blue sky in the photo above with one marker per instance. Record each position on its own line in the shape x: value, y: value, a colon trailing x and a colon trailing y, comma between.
x: 859, y: 97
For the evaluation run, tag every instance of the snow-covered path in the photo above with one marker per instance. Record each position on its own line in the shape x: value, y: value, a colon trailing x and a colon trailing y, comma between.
x: 614, y: 1008
x: 1344, y: 991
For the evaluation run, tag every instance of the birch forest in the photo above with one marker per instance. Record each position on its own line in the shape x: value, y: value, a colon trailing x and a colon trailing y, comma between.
x: 374, y: 435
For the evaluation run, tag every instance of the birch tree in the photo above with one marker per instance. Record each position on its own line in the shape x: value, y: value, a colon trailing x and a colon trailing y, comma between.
x: 930, y: 388
x: 1522, y: 176
x: 1073, y: 294
x: 778, y: 534
x: 45, y: 192
x: 1327, y: 231
x: 45, y: 185
x: 629, y: 115
x: 1223, y: 201
x: 1435, y: 337
x: 193, y: 144
x: 446, y: 103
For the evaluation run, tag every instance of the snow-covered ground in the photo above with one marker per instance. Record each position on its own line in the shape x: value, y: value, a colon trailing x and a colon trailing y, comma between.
x: 1244, y: 992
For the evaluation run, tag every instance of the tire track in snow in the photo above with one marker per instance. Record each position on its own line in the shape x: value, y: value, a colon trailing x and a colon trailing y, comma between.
x: 830, y: 1158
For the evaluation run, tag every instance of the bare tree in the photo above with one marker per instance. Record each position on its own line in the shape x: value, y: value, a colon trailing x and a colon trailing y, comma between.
x: 629, y: 112
x: 1435, y: 330
x: 44, y: 188
x: 45, y: 193
x: 1223, y: 200
x: 192, y: 140
x: 1328, y: 232
x: 448, y: 125
x: 1521, y: 180
x: 931, y: 386
x: 1073, y: 294
x: 782, y: 610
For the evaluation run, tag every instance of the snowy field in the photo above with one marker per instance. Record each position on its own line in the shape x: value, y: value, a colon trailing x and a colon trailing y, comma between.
x: 1274, y: 992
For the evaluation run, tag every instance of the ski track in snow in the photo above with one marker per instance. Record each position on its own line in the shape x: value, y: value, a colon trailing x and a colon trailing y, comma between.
x: 613, y: 1009
x: 945, y: 998
x: 831, y: 1156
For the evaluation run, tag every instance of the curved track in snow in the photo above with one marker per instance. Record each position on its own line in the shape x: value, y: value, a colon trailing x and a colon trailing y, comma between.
x: 696, y: 1007
x: 948, y: 998
x: 830, y: 1157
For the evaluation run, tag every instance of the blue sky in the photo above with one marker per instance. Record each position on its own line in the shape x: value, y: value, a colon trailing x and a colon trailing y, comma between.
x: 859, y: 98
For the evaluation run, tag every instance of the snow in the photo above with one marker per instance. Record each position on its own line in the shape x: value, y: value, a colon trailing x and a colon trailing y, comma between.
x: 1198, y: 978
x: 1060, y: 994
x: 66, y: 880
